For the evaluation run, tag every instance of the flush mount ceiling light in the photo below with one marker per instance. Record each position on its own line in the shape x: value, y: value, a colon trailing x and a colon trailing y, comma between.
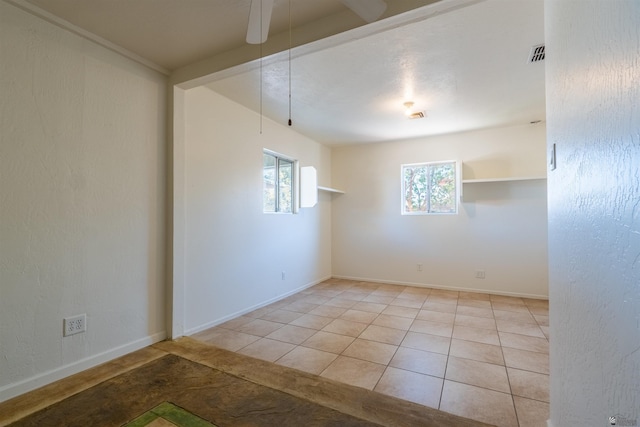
x: 408, y: 108
x: 410, y: 113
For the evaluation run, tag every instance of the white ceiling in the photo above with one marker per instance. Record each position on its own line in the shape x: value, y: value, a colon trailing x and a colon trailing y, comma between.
x: 465, y: 67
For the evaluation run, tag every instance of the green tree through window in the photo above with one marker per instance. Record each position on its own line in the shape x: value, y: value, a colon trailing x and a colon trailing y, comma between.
x: 429, y: 188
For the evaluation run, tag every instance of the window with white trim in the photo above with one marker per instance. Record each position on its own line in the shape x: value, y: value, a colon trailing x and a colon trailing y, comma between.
x: 278, y: 187
x: 429, y: 188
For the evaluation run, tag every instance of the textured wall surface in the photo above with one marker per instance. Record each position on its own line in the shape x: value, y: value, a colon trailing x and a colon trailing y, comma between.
x: 593, y: 88
x: 235, y: 253
x: 500, y: 228
x: 81, y: 202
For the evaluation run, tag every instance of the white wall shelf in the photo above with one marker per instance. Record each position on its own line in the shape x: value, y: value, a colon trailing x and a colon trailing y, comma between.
x: 496, y: 180
x: 494, y: 171
x: 490, y: 180
x: 330, y: 190
x: 514, y: 178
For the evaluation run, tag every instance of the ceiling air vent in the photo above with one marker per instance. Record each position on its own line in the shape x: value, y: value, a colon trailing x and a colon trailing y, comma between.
x: 537, y: 53
x: 418, y: 115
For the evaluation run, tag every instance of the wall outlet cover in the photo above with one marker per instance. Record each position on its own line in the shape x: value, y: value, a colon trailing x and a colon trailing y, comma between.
x: 74, y: 325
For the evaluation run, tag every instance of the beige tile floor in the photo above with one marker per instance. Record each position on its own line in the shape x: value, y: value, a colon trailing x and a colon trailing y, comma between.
x: 481, y: 356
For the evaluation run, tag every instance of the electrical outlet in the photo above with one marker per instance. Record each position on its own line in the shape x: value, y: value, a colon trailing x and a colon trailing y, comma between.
x: 284, y: 275
x: 479, y: 274
x: 419, y: 267
x: 74, y: 325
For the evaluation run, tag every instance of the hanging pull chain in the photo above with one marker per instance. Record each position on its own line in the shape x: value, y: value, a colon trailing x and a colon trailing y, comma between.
x: 261, y: 59
x: 290, y: 122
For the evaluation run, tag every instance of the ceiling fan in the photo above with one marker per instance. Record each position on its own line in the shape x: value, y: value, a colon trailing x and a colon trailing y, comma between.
x: 260, y: 16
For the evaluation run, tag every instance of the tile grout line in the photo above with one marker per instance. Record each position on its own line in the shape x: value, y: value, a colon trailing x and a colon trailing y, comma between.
x: 446, y: 366
x: 394, y: 353
x: 513, y: 401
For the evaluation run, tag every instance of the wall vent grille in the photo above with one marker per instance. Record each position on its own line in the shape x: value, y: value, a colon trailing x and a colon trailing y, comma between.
x: 537, y: 53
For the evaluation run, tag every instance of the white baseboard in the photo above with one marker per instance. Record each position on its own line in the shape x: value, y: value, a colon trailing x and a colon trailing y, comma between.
x: 221, y: 320
x: 448, y: 288
x: 16, y: 389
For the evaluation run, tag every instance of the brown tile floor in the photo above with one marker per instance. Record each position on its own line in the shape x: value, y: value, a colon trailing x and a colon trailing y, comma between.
x: 480, y: 356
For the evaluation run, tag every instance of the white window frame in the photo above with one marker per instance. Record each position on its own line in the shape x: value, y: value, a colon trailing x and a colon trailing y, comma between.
x: 294, y: 182
x: 458, y: 183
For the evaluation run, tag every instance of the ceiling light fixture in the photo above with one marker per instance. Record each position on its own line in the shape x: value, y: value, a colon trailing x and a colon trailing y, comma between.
x: 408, y: 108
x: 410, y: 113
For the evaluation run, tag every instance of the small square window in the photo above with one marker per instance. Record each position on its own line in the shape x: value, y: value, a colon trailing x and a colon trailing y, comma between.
x: 429, y: 188
x: 278, y: 183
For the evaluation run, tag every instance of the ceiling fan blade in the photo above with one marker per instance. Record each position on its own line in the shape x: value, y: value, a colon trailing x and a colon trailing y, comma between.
x: 369, y: 10
x: 259, y: 20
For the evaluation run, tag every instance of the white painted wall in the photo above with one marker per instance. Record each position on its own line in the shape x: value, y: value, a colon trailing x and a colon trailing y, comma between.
x: 234, y: 253
x: 593, y: 88
x: 82, y: 182
x: 501, y: 227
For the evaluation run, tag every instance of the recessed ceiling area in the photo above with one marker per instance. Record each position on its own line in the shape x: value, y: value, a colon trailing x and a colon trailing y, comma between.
x: 465, y: 68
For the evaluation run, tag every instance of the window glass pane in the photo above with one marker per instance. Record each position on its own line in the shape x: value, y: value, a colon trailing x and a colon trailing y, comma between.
x: 285, y: 178
x: 415, y: 188
x: 442, y: 188
x: 279, y: 180
x: 429, y: 188
x: 269, y: 182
